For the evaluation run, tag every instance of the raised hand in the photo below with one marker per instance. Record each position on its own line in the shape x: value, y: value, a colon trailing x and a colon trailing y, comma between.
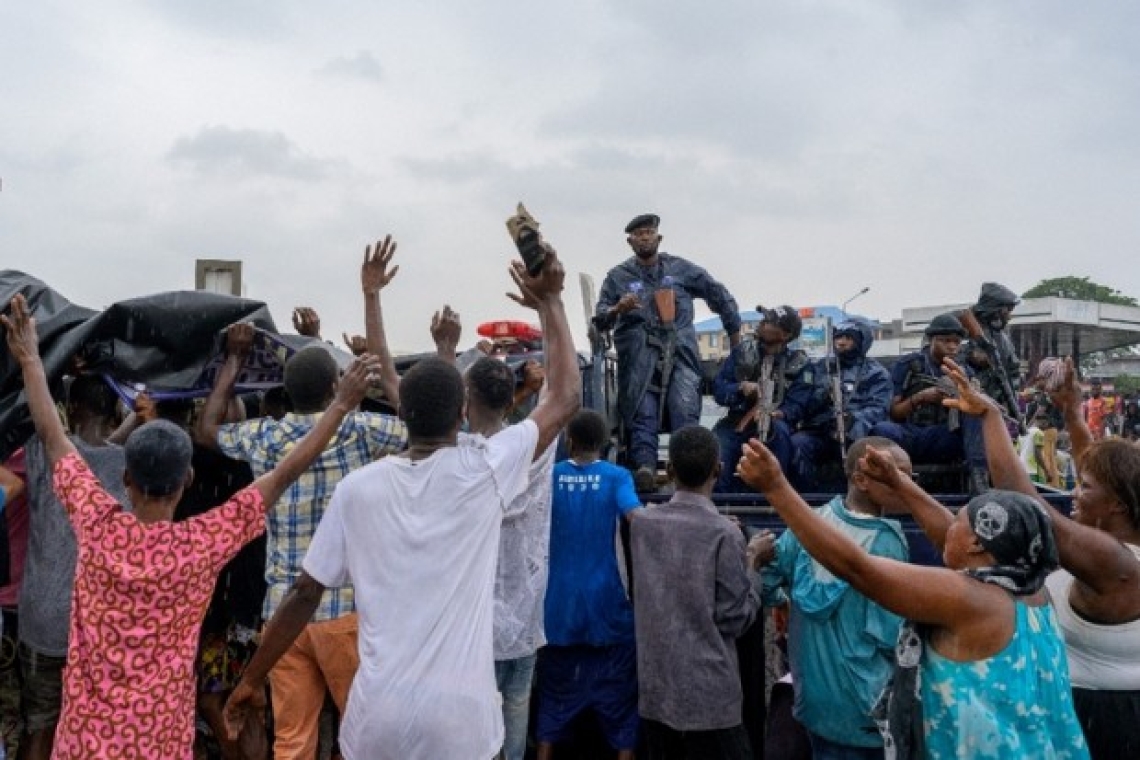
x: 1068, y: 395
x: 239, y: 339
x: 23, y: 343
x: 880, y: 466
x: 534, y: 290
x: 357, y: 344
x: 307, y: 322
x: 356, y: 381
x: 374, y: 272
x: 759, y: 468
x: 145, y: 408
x: 969, y: 400
x: 446, y: 328
x: 761, y: 549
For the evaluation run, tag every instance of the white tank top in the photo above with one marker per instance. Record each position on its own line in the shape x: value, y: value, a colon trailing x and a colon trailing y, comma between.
x: 1102, y: 657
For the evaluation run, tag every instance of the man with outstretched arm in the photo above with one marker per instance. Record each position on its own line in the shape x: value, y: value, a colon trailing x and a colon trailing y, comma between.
x: 325, y: 658
x: 418, y: 535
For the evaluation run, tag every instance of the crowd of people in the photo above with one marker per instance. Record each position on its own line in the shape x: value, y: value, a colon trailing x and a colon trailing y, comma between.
x: 438, y: 556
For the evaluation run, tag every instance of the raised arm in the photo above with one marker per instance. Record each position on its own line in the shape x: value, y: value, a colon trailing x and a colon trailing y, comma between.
x: 563, y: 394
x: 446, y: 330
x: 1095, y: 558
x: 350, y: 391
x: 925, y: 594
x: 374, y: 277
x: 24, y: 346
x: 931, y: 516
x: 1067, y: 398
x: 239, y: 342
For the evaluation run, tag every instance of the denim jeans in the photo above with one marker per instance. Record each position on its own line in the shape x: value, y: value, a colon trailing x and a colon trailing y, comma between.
x: 513, y: 679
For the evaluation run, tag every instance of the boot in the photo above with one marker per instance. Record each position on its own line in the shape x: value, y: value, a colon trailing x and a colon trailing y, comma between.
x: 645, y: 479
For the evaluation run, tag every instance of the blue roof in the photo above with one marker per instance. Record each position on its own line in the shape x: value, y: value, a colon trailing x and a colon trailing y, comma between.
x: 834, y: 313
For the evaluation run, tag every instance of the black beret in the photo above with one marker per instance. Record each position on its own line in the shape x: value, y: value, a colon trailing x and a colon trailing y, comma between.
x: 945, y: 324
x: 643, y: 220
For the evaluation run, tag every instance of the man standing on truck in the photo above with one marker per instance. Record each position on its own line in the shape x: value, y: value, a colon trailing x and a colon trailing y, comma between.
x: 647, y: 301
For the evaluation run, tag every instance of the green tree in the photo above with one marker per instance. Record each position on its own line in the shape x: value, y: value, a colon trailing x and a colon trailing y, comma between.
x: 1080, y: 289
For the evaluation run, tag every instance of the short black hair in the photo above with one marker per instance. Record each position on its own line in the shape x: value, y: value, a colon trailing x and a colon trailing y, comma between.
x: 693, y: 455
x: 586, y: 431
x: 491, y: 384
x: 431, y: 398
x: 858, y: 450
x: 91, y: 397
x: 310, y: 377
x: 158, y: 457
x: 176, y: 410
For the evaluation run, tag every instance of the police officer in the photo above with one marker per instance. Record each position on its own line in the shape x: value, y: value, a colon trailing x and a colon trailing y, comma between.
x: 762, y: 382
x: 929, y: 432
x: 647, y: 301
x: 864, y: 395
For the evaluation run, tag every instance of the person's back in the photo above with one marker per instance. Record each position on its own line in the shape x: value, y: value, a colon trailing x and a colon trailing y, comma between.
x: 425, y: 611
x: 139, y: 596
x: 589, y: 663
x: 693, y: 596
x: 839, y: 642
x: 49, y: 569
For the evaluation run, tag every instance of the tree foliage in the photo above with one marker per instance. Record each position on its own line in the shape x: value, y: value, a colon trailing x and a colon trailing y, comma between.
x: 1080, y: 289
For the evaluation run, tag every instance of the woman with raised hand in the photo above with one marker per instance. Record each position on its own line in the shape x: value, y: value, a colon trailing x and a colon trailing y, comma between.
x: 1097, y: 593
x: 994, y: 682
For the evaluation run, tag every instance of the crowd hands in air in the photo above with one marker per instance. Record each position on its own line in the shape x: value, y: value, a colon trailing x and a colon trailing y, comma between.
x: 428, y: 565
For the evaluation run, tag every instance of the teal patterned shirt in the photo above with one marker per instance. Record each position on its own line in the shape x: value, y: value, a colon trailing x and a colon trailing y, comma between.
x: 1016, y: 704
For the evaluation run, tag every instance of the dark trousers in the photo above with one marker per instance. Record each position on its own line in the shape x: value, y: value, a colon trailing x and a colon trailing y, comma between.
x: 664, y: 743
x: 937, y: 444
x: 779, y: 442
x: 682, y: 407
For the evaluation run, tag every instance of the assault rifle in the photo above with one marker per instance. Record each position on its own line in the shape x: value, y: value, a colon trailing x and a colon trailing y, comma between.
x: 978, y: 337
x: 835, y: 383
x: 761, y: 411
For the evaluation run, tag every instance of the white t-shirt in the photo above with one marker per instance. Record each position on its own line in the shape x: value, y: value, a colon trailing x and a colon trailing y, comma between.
x: 419, y: 541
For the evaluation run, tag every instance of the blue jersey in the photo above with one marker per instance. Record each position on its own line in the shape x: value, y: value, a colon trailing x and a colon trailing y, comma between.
x: 586, y: 602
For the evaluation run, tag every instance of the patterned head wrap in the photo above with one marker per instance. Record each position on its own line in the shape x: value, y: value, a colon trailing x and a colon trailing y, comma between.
x: 1015, y: 529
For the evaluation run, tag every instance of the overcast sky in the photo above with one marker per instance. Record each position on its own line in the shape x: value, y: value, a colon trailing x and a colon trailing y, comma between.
x: 798, y: 150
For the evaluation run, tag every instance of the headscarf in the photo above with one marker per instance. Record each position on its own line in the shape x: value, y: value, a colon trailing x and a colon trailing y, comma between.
x: 1013, y: 528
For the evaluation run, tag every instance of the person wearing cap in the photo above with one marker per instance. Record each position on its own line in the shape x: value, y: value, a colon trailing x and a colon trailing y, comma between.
x: 647, y: 369
x: 993, y: 310
x: 865, y: 400
x: 763, y: 358
x: 928, y: 431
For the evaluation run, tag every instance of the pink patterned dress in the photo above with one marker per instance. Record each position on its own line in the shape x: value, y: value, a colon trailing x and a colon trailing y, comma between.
x: 139, y: 596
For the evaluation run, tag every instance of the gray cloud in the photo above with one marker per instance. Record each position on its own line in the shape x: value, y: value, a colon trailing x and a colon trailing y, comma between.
x: 363, y: 66
x: 245, y: 152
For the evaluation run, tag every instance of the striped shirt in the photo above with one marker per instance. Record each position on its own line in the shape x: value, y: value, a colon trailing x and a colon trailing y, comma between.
x: 363, y: 437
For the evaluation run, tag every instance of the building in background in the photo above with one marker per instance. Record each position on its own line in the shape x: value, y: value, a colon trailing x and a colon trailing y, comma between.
x: 218, y: 276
